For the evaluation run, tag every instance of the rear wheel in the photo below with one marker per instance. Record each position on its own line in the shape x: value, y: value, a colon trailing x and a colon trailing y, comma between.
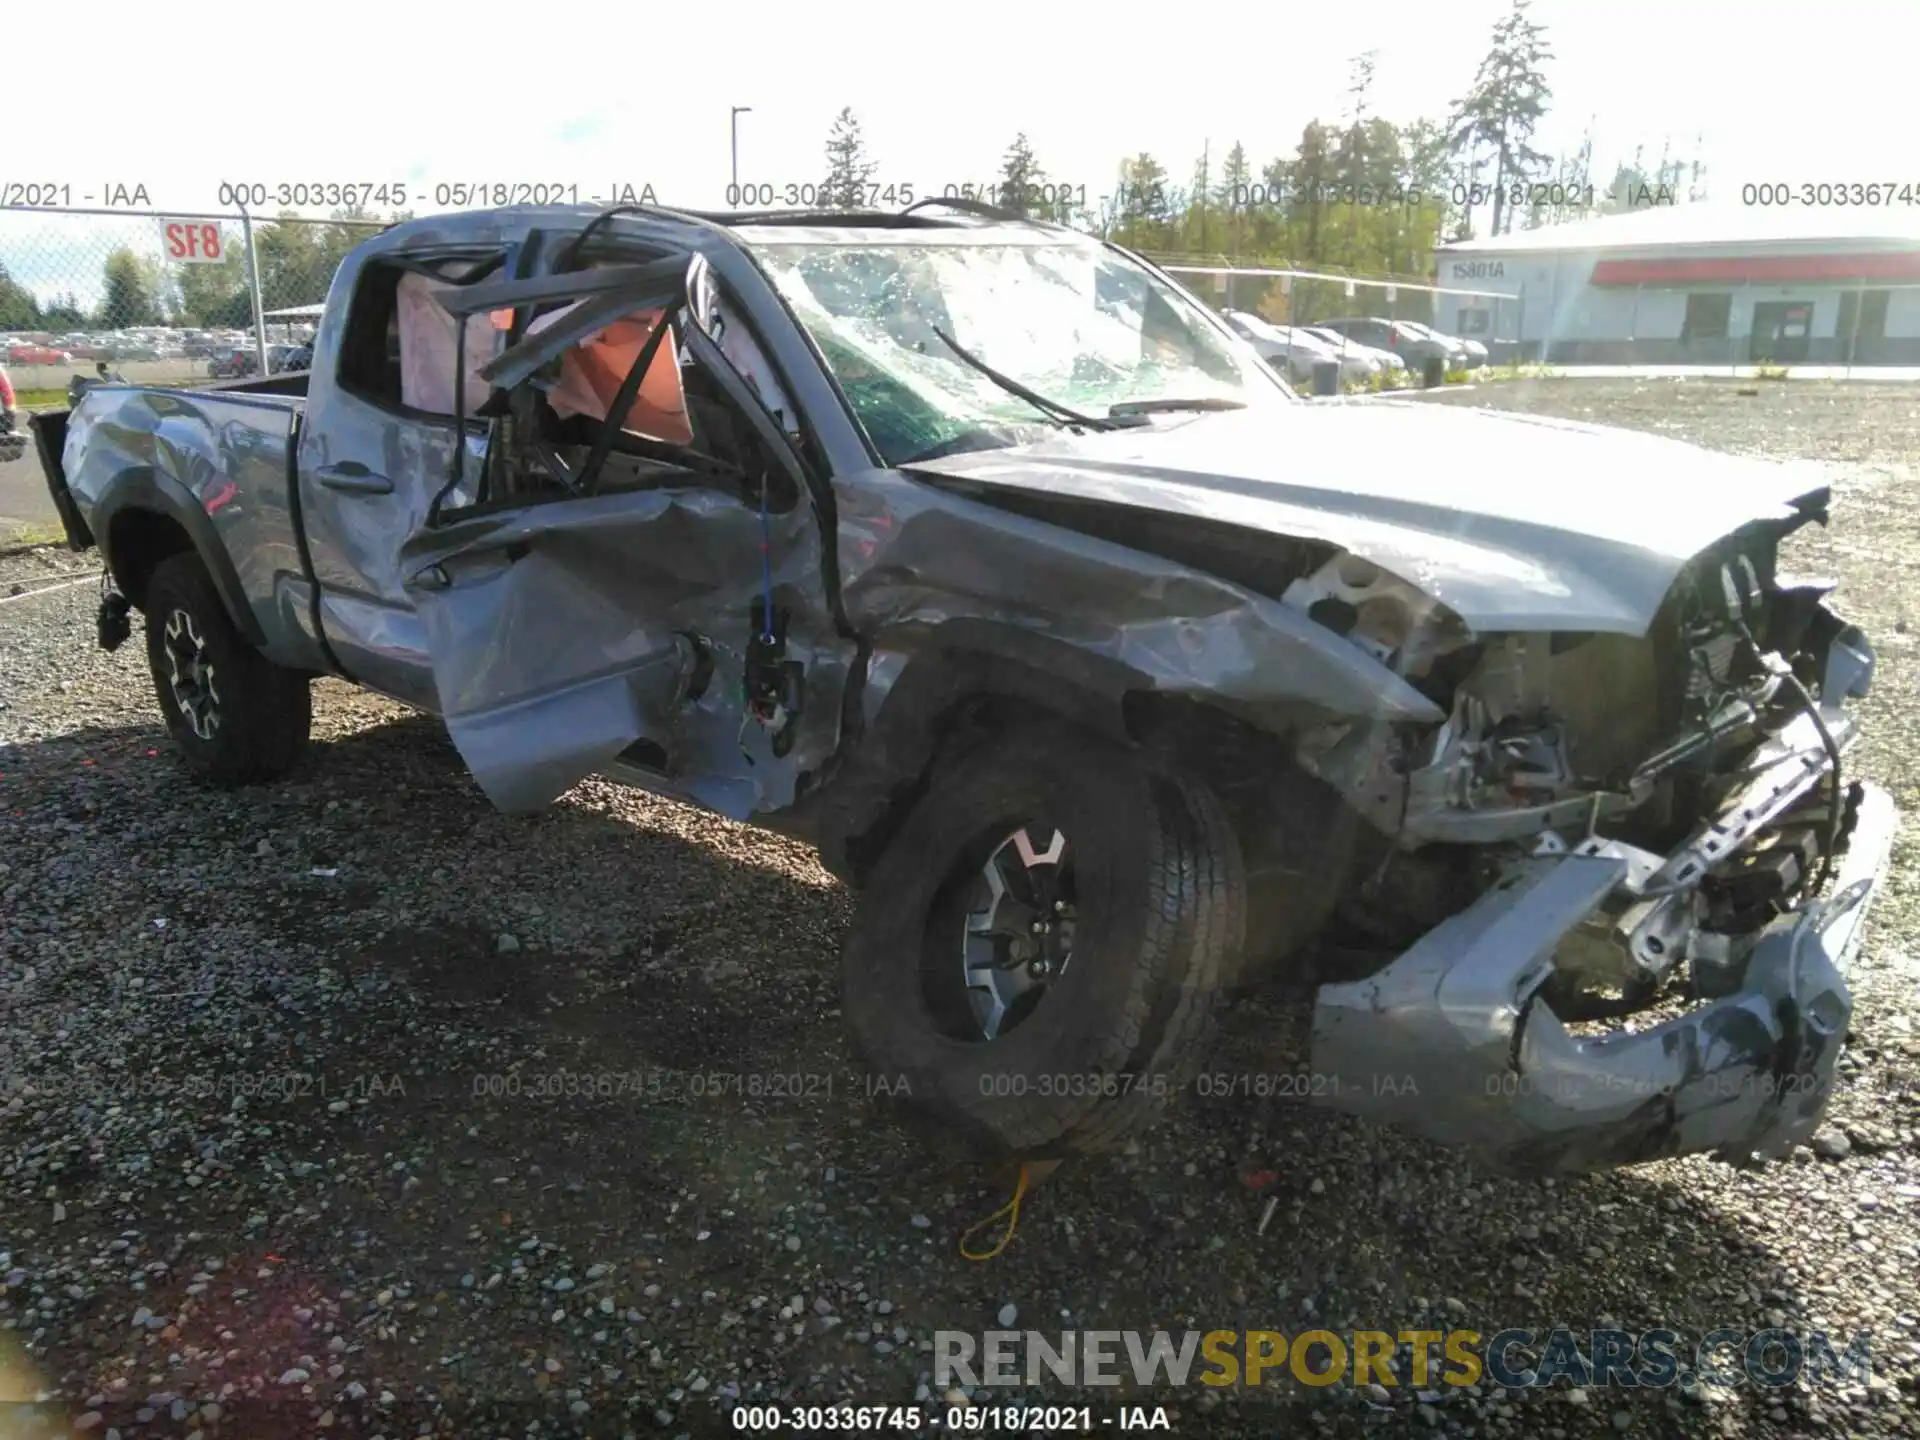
x: 235, y: 717
x: 1038, y: 954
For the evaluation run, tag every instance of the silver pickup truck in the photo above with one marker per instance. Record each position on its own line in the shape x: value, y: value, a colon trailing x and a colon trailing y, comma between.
x: 1111, y: 674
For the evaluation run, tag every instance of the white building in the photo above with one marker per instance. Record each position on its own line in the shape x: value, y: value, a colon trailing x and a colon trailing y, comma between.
x: 1707, y: 283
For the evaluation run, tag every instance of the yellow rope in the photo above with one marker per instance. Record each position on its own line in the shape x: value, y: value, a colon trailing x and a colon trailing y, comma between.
x: 1011, y: 1210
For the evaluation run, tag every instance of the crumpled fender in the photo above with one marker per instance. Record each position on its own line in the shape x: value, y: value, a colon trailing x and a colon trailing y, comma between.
x: 915, y: 557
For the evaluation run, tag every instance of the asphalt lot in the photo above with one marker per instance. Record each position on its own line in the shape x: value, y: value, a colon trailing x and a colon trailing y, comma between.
x: 25, y: 506
x: 263, y: 1169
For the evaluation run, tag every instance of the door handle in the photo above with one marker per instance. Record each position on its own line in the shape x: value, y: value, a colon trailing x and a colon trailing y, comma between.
x: 352, y: 478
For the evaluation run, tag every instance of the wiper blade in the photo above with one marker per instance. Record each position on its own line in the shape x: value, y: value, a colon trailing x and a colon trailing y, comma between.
x: 1051, y: 408
x: 1155, y: 407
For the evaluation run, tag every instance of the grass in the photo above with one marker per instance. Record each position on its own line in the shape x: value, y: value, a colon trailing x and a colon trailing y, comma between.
x: 17, y: 535
x: 1764, y: 371
x: 40, y: 399
x: 1519, y: 372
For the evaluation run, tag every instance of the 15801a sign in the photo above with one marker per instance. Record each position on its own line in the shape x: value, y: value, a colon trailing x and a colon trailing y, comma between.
x: 193, y: 241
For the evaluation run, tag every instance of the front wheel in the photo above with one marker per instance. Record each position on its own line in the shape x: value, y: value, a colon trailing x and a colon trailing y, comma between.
x: 1038, y: 954
x: 235, y: 717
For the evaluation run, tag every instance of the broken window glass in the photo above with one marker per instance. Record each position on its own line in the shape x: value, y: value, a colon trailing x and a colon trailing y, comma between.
x: 1081, y: 326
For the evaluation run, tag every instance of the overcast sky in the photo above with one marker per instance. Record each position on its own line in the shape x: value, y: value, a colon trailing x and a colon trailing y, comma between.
x: 596, y: 92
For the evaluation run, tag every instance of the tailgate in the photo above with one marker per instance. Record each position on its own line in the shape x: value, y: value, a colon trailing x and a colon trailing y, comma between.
x: 50, y: 438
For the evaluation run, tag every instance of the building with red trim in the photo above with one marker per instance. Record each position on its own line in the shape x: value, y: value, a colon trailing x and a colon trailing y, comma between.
x: 1699, y: 284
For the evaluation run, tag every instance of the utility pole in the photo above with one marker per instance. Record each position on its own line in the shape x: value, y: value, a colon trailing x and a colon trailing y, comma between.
x: 733, y: 126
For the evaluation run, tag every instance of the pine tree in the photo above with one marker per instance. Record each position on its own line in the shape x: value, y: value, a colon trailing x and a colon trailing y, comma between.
x: 1021, y: 180
x: 1506, y: 103
x: 1351, y: 157
x: 1234, y: 191
x: 1145, y: 208
x: 1200, y: 201
x: 848, y: 168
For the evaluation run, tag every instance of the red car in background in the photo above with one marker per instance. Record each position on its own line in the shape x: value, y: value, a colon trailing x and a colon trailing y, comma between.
x: 36, y: 355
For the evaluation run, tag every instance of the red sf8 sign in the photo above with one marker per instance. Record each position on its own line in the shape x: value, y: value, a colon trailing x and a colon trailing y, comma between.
x: 192, y: 241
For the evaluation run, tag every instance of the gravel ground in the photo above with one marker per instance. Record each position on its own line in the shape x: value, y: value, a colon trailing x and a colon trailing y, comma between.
x: 259, y: 1173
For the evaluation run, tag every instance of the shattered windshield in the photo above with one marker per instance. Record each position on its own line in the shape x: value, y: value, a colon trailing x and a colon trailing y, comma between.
x: 1080, y: 326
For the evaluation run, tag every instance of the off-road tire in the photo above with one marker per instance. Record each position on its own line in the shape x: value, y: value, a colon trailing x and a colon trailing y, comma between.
x: 1121, y: 1030
x: 265, y: 711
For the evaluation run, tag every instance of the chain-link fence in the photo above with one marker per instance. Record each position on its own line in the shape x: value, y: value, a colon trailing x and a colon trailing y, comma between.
x: 168, y: 299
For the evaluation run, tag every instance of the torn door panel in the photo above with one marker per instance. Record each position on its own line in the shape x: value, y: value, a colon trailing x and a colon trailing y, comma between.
x: 545, y: 669
x: 735, y: 762
x: 913, y: 553
x: 563, y: 633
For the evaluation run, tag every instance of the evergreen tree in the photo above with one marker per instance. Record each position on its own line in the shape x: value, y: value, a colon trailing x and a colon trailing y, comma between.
x: 1197, y: 227
x: 64, y: 313
x: 848, y: 168
x: 1144, y: 208
x: 1233, y: 192
x: 1021, y: 180
x: 1506, y: 103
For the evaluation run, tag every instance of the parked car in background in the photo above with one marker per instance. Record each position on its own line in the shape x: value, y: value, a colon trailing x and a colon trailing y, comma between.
x: 230, y: 362
x: 1393, y: 370
x: 13, y: 435
x: 1421, y: 351
x: 1475, y: 352
x: 281, y: 358
x: 37, y: 355
x: 1294, y: 353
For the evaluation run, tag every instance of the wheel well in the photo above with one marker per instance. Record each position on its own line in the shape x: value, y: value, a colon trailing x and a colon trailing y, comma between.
x: 137, y: 541
x: 945, y: 706
x: 1238, y: 761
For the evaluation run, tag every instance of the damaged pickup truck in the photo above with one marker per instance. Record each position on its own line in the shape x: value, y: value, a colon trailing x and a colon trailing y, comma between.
x: 979, y: 554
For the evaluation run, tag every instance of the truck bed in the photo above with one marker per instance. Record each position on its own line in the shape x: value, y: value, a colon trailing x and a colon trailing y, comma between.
x: 214, y: 440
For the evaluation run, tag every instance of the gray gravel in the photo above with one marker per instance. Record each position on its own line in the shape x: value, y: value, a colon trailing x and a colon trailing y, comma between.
x: 261, y: 1172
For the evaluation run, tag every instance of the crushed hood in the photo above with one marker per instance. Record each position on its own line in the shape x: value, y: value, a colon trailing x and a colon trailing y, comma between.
x: 1515, y: 522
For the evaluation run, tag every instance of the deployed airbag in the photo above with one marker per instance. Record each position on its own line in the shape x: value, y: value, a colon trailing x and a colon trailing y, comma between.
x: 427, y: 342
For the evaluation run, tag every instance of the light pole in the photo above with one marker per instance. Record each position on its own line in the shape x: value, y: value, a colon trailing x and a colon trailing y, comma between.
x: 733, y: 125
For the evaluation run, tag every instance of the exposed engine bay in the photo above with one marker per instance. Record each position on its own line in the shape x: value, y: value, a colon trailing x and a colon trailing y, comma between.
x: 1703, y: 763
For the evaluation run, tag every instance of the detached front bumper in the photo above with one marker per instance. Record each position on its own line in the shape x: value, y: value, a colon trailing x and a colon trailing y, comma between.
x: 1452, y: 1039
